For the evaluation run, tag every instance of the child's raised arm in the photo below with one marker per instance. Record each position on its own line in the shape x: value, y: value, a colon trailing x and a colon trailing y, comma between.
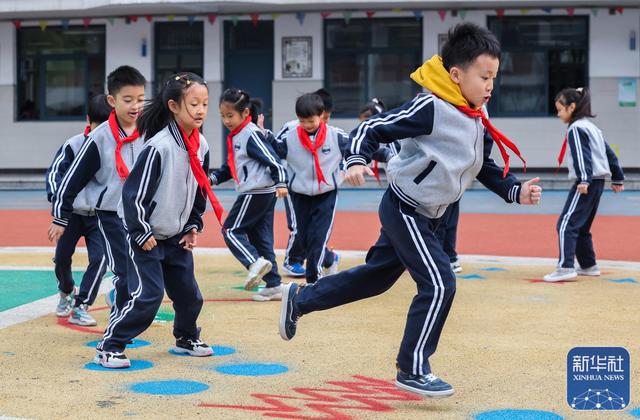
x: 260, y: 150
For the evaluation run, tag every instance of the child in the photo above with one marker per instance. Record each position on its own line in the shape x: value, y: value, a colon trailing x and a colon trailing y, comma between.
x: 101, y: 166
x: 260, y: 179
x: 444, y: 147
x: 375, y: 107
x: 591, y: 161
x: 82, y: 222
x: 163, y: 201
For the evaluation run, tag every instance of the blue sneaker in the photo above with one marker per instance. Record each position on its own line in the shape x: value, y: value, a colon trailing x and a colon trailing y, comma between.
x: 289, y: 314
x: 427, y: 385
x: 294, y: 270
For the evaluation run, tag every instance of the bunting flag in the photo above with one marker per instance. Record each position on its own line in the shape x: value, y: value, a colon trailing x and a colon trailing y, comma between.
x: 212, y: 18
x: 524, y: 11
x: 86, y: 22
x: 620, y: 9
x: 347, y: 17
x: 443, y: 14
x: 191, y: 19
x: 132, y: 19
x: 300, y: 16
x: 462, y: 13
x: 454, y: 13
x: 500, y: 12
x: 170, y: 18
x: 571, y: 11
x: 111, y: 21
x: 17, y: 23
x: 234, y: 20
x: 254, y: 19
x: 594, y: 11
x: 43, y: 25
x: 396, y: 10
x: 65, y: 23
x: 325, y: 14
x: 417, y: 14
x: 547, y: 10
x: 370, y: 14
x: 149, y: 18
x: 275, y: 16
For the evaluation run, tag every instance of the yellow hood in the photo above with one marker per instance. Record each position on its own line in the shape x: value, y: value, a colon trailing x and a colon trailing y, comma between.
x: 434, y: 77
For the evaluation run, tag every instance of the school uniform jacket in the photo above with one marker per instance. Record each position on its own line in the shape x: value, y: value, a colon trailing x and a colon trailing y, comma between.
x: 94, y: 170
x: 258, y: 167
x: 61, y: 163
x: 591, y: 156
x: 161, y: 196
x: 442, y: 151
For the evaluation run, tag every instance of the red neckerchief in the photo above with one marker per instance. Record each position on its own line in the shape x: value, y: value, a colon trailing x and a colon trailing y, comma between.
x: 192, y: 144
x: 87, y: 130
x: 500, y: 139
x: 376, y: 172
x: 305, y: 140
x: 563, y: 151
x: 122, y: 169
x: 230, y: 157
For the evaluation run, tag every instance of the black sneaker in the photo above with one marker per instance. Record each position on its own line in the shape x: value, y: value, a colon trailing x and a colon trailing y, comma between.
x: 289, y: 314
x: 191, y: 347
x: 112, y: 359
x: 427, y: 385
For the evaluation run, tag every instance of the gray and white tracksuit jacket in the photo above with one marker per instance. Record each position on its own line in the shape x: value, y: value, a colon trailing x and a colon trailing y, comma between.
x: 442, y: 151
x: 591, y: 156
x: 258, y: 167
x: 61, y: 162
x: 161, y: 196
x: 94, y: 170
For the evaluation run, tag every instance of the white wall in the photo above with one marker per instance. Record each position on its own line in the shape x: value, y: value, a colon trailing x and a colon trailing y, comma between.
x: 124, y: 46
x: 287, y: 25
x: 7, y: 53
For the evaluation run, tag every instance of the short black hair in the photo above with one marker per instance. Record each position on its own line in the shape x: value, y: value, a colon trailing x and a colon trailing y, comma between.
x: 467, y: 41
x: 98, y: 109
x: 124, y: 76
x: 309, y: 105
x: 327, y: 100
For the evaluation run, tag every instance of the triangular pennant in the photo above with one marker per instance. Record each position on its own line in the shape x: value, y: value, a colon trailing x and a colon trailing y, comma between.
x: 417, y: 14
x: 170, y: 18
x: 65, y: 23
x: 462, y: 13
x: 212, y: 18
x: 396, y: 10
x: 300, y: 16
x: 524, y: 11
x: 111, y: 20
x: 594, y: 11
x: 149, y: 18
x: 571, y: 11
x: 325, y: 14
x: 547, y: 10
x: 17, y: 23
x: 370, y: 14
x: 254, y: 19
x: 347, y: 17
x: 500, y: 12
x: 191, y: 19
x: 234, y: 20
x: 275, y: 16
x: 443, y: 14
x: 43, y: 25
x: 454, y: 13
x: 86, y: 22
x: 620, y: 9
x: 133, y: 19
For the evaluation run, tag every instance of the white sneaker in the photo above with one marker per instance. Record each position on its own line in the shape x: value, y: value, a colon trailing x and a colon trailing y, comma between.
x: 80, y: 316
x: 112, y: 360
x: 333, y: 268
x: 456, y: 267
x: 268, y: 293
x: 256, y: 271
x: 561, y: 274
x: 65, y: 304
x: 589, y: 271
x: 196, y: 348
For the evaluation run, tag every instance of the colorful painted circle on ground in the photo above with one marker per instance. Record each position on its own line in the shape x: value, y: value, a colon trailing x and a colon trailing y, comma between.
x: 217, y: 351
x: 169, y: 387
x: 133, y: 345
x: 252, y: 369
x: 135, y: 365
x: 635, y: 413
x: 164, y: 315
x: 517, y: 415
x: 255, y: 289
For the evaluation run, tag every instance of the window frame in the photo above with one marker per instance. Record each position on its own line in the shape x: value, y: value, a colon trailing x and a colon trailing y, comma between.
x: 493, y: 107
x: 349, y: 52
x: 157, y: 50
x: 41, y: 60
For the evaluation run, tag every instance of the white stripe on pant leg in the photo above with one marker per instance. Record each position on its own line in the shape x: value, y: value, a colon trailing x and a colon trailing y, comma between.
x: 134, y: 296
x: 294, y: 228
x: 115, y: 310
x: 232, y: 237
x: 417, y: 367
x: 565, y: 222
x: 95, y: 279
x: 326, y: 238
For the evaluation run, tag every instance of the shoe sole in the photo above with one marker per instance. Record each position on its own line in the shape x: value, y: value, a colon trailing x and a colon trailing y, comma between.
x: 106, y: 365
x: 429, y: 394
x: 292, y: 274
x: 260, y: 298
x: 253, y: 282
x: 82, y: 324
x: 563, y: 278
x: 283, y: 311
x: 180, y: 350
x: 62, y: 315
x: 589, y: 274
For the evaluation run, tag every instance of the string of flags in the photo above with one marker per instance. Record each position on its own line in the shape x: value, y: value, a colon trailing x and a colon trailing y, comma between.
x: 301, y: 16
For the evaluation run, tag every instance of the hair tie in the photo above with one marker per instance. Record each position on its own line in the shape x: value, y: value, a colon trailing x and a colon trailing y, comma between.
x: 580, y: 90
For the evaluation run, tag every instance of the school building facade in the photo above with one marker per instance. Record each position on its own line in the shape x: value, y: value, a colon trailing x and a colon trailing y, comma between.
x: 55, y: 55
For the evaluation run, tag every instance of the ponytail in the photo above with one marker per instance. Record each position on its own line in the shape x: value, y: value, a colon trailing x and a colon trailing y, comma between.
x: 579, y: 96
x: 373, y: 107
x: 240, y: 100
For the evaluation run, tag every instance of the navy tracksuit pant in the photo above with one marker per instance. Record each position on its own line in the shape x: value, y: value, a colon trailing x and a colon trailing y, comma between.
x: 116, y: 249
x: 78, y: 227
x: 314, y: 216
x: 248, y: 232
x: 447, y: 230
x: 166, y: 267
x: 406, y: 241
x: 574, y: 226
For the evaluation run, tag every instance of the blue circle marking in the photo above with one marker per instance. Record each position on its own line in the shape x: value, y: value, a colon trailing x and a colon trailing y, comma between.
x: 135, y: 365
x: 635, y: 413
x: 252, y: 369
x: 169, y: 387
x: 517, y: 415
x: 217, y: 351
x: 134, y: 345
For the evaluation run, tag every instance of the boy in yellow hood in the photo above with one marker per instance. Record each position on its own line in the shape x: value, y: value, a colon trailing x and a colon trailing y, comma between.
x: 446, y: 142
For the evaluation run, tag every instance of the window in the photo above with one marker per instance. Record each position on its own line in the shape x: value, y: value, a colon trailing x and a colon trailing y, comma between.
x: 540, y: 57
x: 371, y: 58
x: 178, y: 47
x: 58, y: 71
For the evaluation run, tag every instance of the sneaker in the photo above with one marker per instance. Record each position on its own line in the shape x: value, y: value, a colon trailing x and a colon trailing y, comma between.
x: 333, y: 268
x: 195, y: 347
x: 456, y: 267
x: 65, y: 304
x: 289, y: 314
x: 80, y: 316
x: 561, y: 274
x: 294, y: 270
x: 427, y: 385
x: 589, y: 271
x: 110, y: 297
x: 111, y: 359
x: 268, y: 293
x: 256, y: 271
